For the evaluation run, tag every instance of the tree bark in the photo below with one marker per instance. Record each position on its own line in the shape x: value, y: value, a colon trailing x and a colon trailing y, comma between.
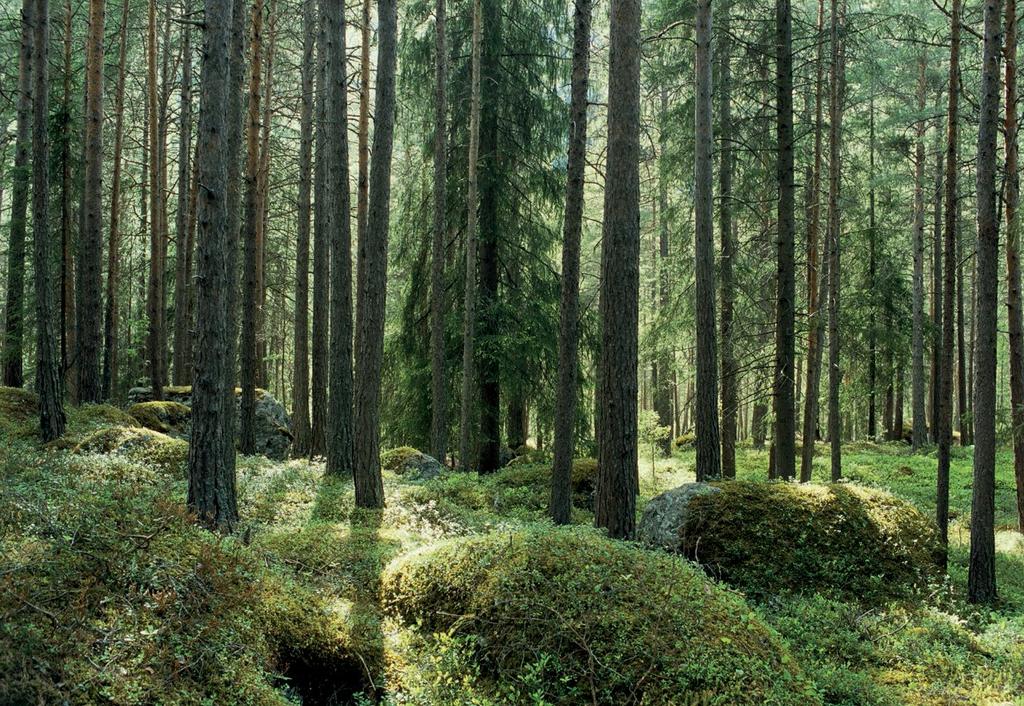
x: 14, y: 310
x: 321, y: 260
x: 252, y: 215
x: 363, y: 147
x: 937, y: 296
x: 568, y: 326
x: 183, y: 258
x: 730, y: 374
x: 466, y: 421
x: 211, y: 489
x: 438, y: 251
x: 837, y: 85
x: 708, y: 441
x: 373, y: 263
x: 154, y: 298
x: 981, y: 575
x: 783, y: 398
x: 662, y: 363
x: 950, y: 236
x: 1014, y: 303
x: 68, y: 348
x: 872, y: 273
x: 615, y: 506
x: 337, y: 222
x: 301, y: 444
x: 919, y: 434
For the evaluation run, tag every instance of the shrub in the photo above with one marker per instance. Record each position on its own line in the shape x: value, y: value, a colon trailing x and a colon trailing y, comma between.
x: 143, y: 445
x: 585, y: 619
x: 838, y: 539
x: 163, y: 416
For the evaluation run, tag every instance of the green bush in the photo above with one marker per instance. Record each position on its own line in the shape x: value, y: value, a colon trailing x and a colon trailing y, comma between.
x: 138, y: 444
x: 584, y: 619
x: 840, y: 539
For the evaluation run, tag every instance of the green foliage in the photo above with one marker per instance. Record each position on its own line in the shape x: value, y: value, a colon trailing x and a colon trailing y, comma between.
x: 138, y: 444
x: 839, y: 539
x: 603, y: 621
x: 164, y: 416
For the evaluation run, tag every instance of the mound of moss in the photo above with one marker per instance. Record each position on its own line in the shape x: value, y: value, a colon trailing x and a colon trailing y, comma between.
x: 19, y: 412
x: 138, y: 444
x: 838, y: 539
x: 584, y: 619
x: 164, y: 416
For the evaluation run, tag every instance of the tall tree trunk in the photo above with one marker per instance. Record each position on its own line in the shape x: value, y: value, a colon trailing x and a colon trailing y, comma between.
x: 301, y: 444
x: 154, y: 300
x: 48, y: 378
x: 662, y: 362
x: 373, y: 263
x: 814, y: 334
x: 963, y: 405
x: 249, y: 351
x: 1014, y: 303
x: 919, y: 435
x: 568, y: 326
x: 950, y: 235
x: 838, y: 81
x: 872, y: 272
x: 708, y: 442
x: 981, y: 575
x: 14, y: 310
x: 68, y: 327
x: 937, y: 295
x: 337, y: 222
x: 363, y: 147
x: 785, y: 318
x: 321, y: 259
x: 466, y: 416
x: 183, y: 259
x: 615, y: 506
x: 263, y: 200
x: 438, y: 250
x: 730, y: 374
x: 211, y: 488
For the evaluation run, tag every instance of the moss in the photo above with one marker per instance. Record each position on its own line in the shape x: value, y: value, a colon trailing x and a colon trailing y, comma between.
x: 19, y: 413
x: 164, y: 416
x: 839, y: 539
x: 685, y: 440
x: 138, y: 444
x: 585, y: 619
x: 393, y: 459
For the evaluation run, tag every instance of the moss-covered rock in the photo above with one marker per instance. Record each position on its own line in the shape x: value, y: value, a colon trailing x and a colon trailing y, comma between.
x: 686, y: 440
x: 584, y: 619
x: 839, y: 539
x: 19, y: 412
x: 138, y: 444
x: 164, y: 416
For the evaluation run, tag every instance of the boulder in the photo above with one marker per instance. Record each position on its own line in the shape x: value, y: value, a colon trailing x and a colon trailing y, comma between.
x: 273, y: 428
x: 667, y: 513
x: 411, y: 463
x: 164, y: 416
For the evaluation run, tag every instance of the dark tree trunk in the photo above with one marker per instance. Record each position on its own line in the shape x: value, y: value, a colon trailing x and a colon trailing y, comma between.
x: 1014, y: 303
x: 872, y: 273
x: 615, y: 506
x: 469, y: 307
x: 182, y: 231
x: 438, y: 250
x: 730, y: 375
x: 301, y: 443
x: 946, y: 367
x: 155, y: 288
x: 783, y: 399
x: 14, y: 310
x: 321, y: 260
x: 211, y: 488
x: 837, y: 86
x: 963, y: 405
x: 337, y: 223
x: 568, y: 332
x: 708, y: 442
x: 919, y: 434
x: 363, y: 146
x: 373, y: 265
x: 69, y: 374
x: 249, y: 349
x: 937, y: 297
x: 662, y: 364
x: 981, y: 576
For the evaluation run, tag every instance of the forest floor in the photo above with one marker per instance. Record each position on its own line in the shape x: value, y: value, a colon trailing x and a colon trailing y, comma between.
x: 107, y: 595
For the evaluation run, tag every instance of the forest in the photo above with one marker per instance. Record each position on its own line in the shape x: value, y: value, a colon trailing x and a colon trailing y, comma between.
x: 422, y: 352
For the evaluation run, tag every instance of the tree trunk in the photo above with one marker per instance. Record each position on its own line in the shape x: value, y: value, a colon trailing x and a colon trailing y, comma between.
x: 950, y: 236
x: 963, y: 406
x: 919, y: 435
x: 211, y: 488
x: 568, y: 327
x: 249, y: 350
x: 69, y: 375
x: 337, y: 223
x: 301, y: 444
x: 937, y: 297
x: 154, y: 299
x: 785, y: 323
x: 1014, y: 303
x: 183, y: 258
x: 321, y: 260
x: 615, y: 506
x: 662, y: 362
x: 14, y: 311
x: 438, y: 251
x: 981, y: 576
x: 708, y: 442
x: 729, y: 371
x: 872, y: 272
x: 373, y: 264
x: 469, y: 306
x: 815, y: 329
x: 837, y: 85
x: 363, y: 177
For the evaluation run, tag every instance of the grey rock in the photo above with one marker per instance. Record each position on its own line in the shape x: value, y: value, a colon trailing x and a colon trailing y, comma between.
x: 419, y: 466
x: 665, y: 514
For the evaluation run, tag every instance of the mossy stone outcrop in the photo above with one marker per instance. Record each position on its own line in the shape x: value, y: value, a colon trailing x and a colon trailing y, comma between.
x: 164, y: 416
x: 138, y: 444
x: 607, y: 622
